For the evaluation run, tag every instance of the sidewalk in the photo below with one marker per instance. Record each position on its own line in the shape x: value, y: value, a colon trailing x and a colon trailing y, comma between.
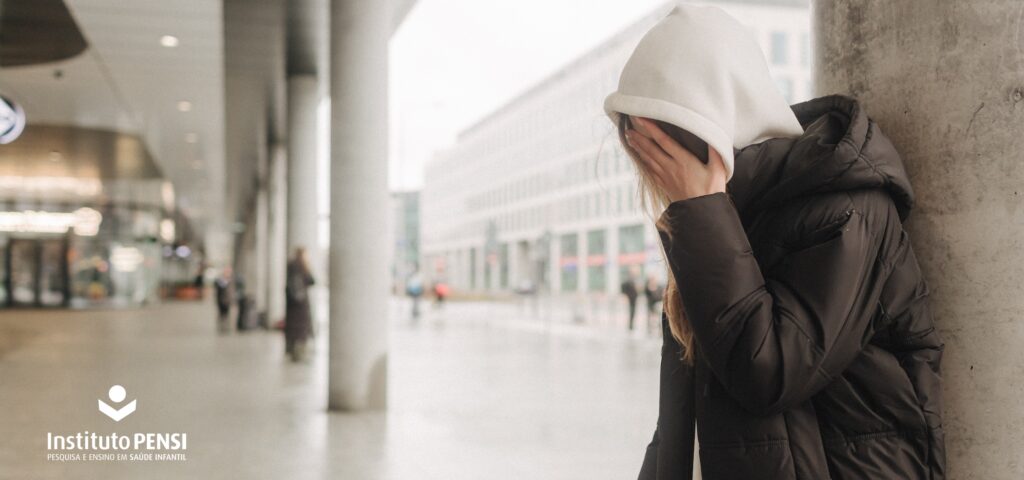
x: 557, y: 316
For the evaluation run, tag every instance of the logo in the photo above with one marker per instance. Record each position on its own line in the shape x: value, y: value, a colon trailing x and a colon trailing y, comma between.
x: 87, y: 446
x: 116, y: 395
x: 12, y: 120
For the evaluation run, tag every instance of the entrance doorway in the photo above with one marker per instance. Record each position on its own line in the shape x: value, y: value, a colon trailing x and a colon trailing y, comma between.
x: 37, y: 272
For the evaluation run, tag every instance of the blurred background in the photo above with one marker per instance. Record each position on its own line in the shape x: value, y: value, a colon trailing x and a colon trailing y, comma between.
x: 399, y: 239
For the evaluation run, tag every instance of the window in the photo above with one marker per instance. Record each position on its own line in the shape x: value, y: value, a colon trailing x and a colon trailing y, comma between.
x: 596, y: 261
x: 569, y: 263
x: 503, y: 265
x: 779, y: 46
x: 631, y: 249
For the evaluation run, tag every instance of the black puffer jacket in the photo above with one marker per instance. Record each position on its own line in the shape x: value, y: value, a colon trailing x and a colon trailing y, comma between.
x: 816, y: 356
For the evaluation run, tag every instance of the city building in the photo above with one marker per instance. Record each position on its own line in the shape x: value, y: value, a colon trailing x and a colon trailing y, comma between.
x: 540, y: 194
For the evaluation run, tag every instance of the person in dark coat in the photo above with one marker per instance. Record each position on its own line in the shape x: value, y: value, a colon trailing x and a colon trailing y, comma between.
x: 653, y: 291
x: 298, y: 320
x: 814, y: 354
x: 798, y: 341
x: 225, y: 292
x: 244, y: 303
x: 632, y: 293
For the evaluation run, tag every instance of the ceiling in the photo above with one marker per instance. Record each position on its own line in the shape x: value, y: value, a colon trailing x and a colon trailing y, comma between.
x: 230, y: 64
x: 36, y: 32
x: 128, y: 82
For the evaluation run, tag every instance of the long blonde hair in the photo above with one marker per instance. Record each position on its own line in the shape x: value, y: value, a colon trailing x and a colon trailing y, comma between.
x: 654, y: 201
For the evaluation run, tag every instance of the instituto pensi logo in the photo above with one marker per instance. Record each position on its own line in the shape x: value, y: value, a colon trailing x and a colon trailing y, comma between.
x: 86, y: 446
x: 117, y: 394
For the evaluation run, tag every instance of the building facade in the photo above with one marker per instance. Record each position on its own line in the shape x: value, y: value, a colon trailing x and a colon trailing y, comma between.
x: 539, y: 195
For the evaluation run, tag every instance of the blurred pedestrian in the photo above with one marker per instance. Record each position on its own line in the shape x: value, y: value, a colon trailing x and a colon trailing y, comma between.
x: 198, y: 280
x: 414, y: 289
x: 298, y: 320
x: 654, y: 291
x: 244, y: 303
x: 632, y: 292
x: 224, y: 286
x: 441, y: 291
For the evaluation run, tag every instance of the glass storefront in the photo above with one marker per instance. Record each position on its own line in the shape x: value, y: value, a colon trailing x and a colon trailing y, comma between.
x: 90, y: 224
x: 34, y: 272
x: 110, y: 262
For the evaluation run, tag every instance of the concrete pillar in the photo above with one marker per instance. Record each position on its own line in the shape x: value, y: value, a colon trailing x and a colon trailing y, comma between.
x: 259, y: 287
x: 302, y: 172
x: 360, y: 241
x: 945, y: 82
x: 277, y: 257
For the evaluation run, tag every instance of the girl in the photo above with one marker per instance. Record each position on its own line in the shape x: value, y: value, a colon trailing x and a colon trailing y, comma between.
x: 798, y: 340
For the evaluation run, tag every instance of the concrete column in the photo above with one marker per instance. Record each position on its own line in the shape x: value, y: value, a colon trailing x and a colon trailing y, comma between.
x: 360, y: 247
x: 259, y: 287
x: 945, y: 82
x: 277, y: 256
x: 302, y: 171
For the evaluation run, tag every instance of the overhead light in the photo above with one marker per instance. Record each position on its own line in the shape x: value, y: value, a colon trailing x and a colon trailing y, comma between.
x: 185, y: 106
x: 191, y: 137
x: 169, y: 41
x: 183, y: 251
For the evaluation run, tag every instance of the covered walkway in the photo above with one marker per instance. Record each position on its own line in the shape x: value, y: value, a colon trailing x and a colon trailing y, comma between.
x: 470, y: 398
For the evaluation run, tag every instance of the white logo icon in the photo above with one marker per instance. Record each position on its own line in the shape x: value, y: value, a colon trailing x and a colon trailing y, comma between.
x: 12, y: 120
x: 116, y: 395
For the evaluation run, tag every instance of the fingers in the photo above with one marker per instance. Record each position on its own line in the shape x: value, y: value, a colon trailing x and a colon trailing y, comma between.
x: 663, y: 140
x: 650, y: 154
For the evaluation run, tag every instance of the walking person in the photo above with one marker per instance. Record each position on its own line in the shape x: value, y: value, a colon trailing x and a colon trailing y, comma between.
x: 441, y: 291
x: 244, y: 303
x: 298, y: 319
x: 632, y: 292
x: 225, y: 292
x: 798, y: 340
x: 414, y: 289
x: 653, y: 291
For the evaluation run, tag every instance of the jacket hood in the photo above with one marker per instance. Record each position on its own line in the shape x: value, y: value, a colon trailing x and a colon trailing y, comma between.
x: 703, y: 71
x: 840, y: 149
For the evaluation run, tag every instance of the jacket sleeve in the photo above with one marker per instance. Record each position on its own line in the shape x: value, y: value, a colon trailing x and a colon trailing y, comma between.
x: 773, y: 342
x: 909, y: 329
x: 670, y: 453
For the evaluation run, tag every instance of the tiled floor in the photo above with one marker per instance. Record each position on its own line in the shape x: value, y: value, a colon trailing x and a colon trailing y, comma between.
x: 472, y: 396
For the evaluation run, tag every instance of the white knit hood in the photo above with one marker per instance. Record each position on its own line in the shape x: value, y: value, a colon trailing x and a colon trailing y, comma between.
x: 701, y: 70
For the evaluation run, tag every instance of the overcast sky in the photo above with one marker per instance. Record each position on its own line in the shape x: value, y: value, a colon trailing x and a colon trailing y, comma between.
x: 454, y: 61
